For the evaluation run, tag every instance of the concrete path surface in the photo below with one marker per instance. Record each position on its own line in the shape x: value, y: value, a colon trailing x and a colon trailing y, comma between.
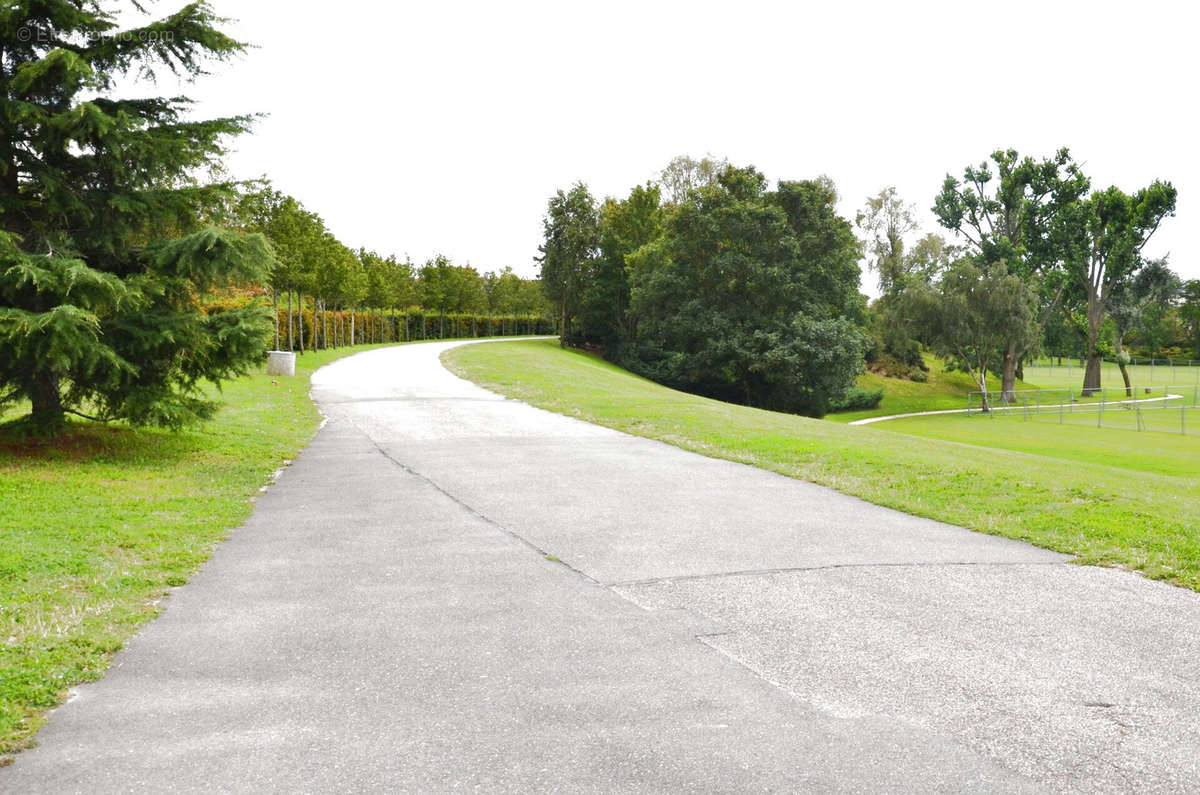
x: 450, y: 591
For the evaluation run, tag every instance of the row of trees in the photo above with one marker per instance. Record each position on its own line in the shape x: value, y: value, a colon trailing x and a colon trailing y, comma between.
x: 1037, y: 250
x: 315, y: 270
x: 712, y: 281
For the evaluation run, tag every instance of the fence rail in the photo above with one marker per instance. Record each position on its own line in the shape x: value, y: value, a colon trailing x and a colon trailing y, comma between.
x: 1170, y: 408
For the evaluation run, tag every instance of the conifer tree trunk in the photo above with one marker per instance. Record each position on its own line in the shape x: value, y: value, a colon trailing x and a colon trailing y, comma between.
x: 46, y: 400
x: 275, y: 314
x: 290, y: 347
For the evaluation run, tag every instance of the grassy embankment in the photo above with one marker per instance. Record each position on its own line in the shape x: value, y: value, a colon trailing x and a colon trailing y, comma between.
x: 96, y: 526
x: 943, y: 389
x: 1111, y: 497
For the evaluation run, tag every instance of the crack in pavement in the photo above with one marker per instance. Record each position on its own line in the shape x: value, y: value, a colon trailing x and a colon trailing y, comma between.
x: 471, y: 509
x: 823, y: 567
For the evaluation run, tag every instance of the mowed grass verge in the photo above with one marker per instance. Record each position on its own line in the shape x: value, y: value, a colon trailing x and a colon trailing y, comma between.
x: 1119, y: 502
x: 96, y: 526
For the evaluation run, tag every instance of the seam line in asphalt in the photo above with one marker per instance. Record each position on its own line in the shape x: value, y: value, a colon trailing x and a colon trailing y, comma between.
x: 469, y: 509
x: 797, y: 569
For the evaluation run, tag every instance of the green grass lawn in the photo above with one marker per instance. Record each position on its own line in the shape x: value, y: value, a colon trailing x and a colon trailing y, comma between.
x: 95, y: 527
x: 946, y: 389
x: 1041, y: 435
x: 1108, y: 496
x: 1069, y: 375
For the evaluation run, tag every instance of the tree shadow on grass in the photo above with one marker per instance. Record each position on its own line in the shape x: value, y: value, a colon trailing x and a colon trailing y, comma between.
x: 82, y: 441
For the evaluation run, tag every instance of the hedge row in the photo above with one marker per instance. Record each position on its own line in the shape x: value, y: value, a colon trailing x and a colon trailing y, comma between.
x: 317, y: 329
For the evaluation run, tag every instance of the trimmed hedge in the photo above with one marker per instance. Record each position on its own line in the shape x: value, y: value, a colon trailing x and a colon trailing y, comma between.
x: 337, y: 328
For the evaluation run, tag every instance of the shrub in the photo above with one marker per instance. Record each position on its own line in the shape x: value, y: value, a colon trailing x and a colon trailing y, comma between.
x: 857, y: 399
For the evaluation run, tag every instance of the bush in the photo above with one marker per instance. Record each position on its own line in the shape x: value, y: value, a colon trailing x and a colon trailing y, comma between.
x: 892, y: 367
x: 857, y: 399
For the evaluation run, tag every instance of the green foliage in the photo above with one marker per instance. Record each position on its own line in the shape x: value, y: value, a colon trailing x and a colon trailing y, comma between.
x: 858, y: 399
x: 450, y: 288
x: 684, y: 174
x: 104, y: 233
x: 885, y: 220
x: 1141, y: 305
x: 1106, y: 232
x: 1015, y: 215
x: 1189, y: 313
x: 972, y: 314
x: 625, y: 227
x: 572, y: 239
x: 751, y: 296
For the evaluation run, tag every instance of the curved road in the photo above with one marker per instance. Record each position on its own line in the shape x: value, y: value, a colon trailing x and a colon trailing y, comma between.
x: 453, y: 591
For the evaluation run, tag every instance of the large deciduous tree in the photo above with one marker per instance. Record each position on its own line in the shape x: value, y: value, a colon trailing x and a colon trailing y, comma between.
x: 1017, y: 215
x: 568, y: 253
x: 104, y: 198
x: 972, y: 315
x: 751, y: 295
x: 625, y: 226
x: 1111, y: 228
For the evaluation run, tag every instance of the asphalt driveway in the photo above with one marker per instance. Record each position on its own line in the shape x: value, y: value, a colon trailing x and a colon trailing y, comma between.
x: 453, y: 591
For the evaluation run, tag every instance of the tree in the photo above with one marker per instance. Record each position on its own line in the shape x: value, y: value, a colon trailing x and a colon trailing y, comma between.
x: 450, y: 288
x: 402, y: 289
x: 503, y: 294
x: 103, y: 234
x: 1109, y: 230
x: 684, y: 174
x: 885, y: 220
x: 572, y: 237
x: 1134, y: 301
x: 1189, y: 312
x: 751, y: 296
x: 973, y: 314
x: 1020, y: 216
x: 297, y: 237
x: 625, y: 226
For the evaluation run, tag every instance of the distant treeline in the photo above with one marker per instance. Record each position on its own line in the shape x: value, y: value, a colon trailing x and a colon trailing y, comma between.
x: 324, y: 293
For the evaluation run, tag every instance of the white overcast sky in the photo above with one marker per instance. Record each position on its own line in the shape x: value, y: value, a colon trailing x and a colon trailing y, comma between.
x: 443, y: 127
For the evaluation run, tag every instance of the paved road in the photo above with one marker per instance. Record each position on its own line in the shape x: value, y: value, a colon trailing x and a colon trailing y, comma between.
x: 451, y: 591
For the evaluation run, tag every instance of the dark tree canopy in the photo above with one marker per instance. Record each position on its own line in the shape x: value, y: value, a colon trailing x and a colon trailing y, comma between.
x: 105, y: 211
x: 572, y: 240
x: 751, y: 295
x: 625, y: 226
